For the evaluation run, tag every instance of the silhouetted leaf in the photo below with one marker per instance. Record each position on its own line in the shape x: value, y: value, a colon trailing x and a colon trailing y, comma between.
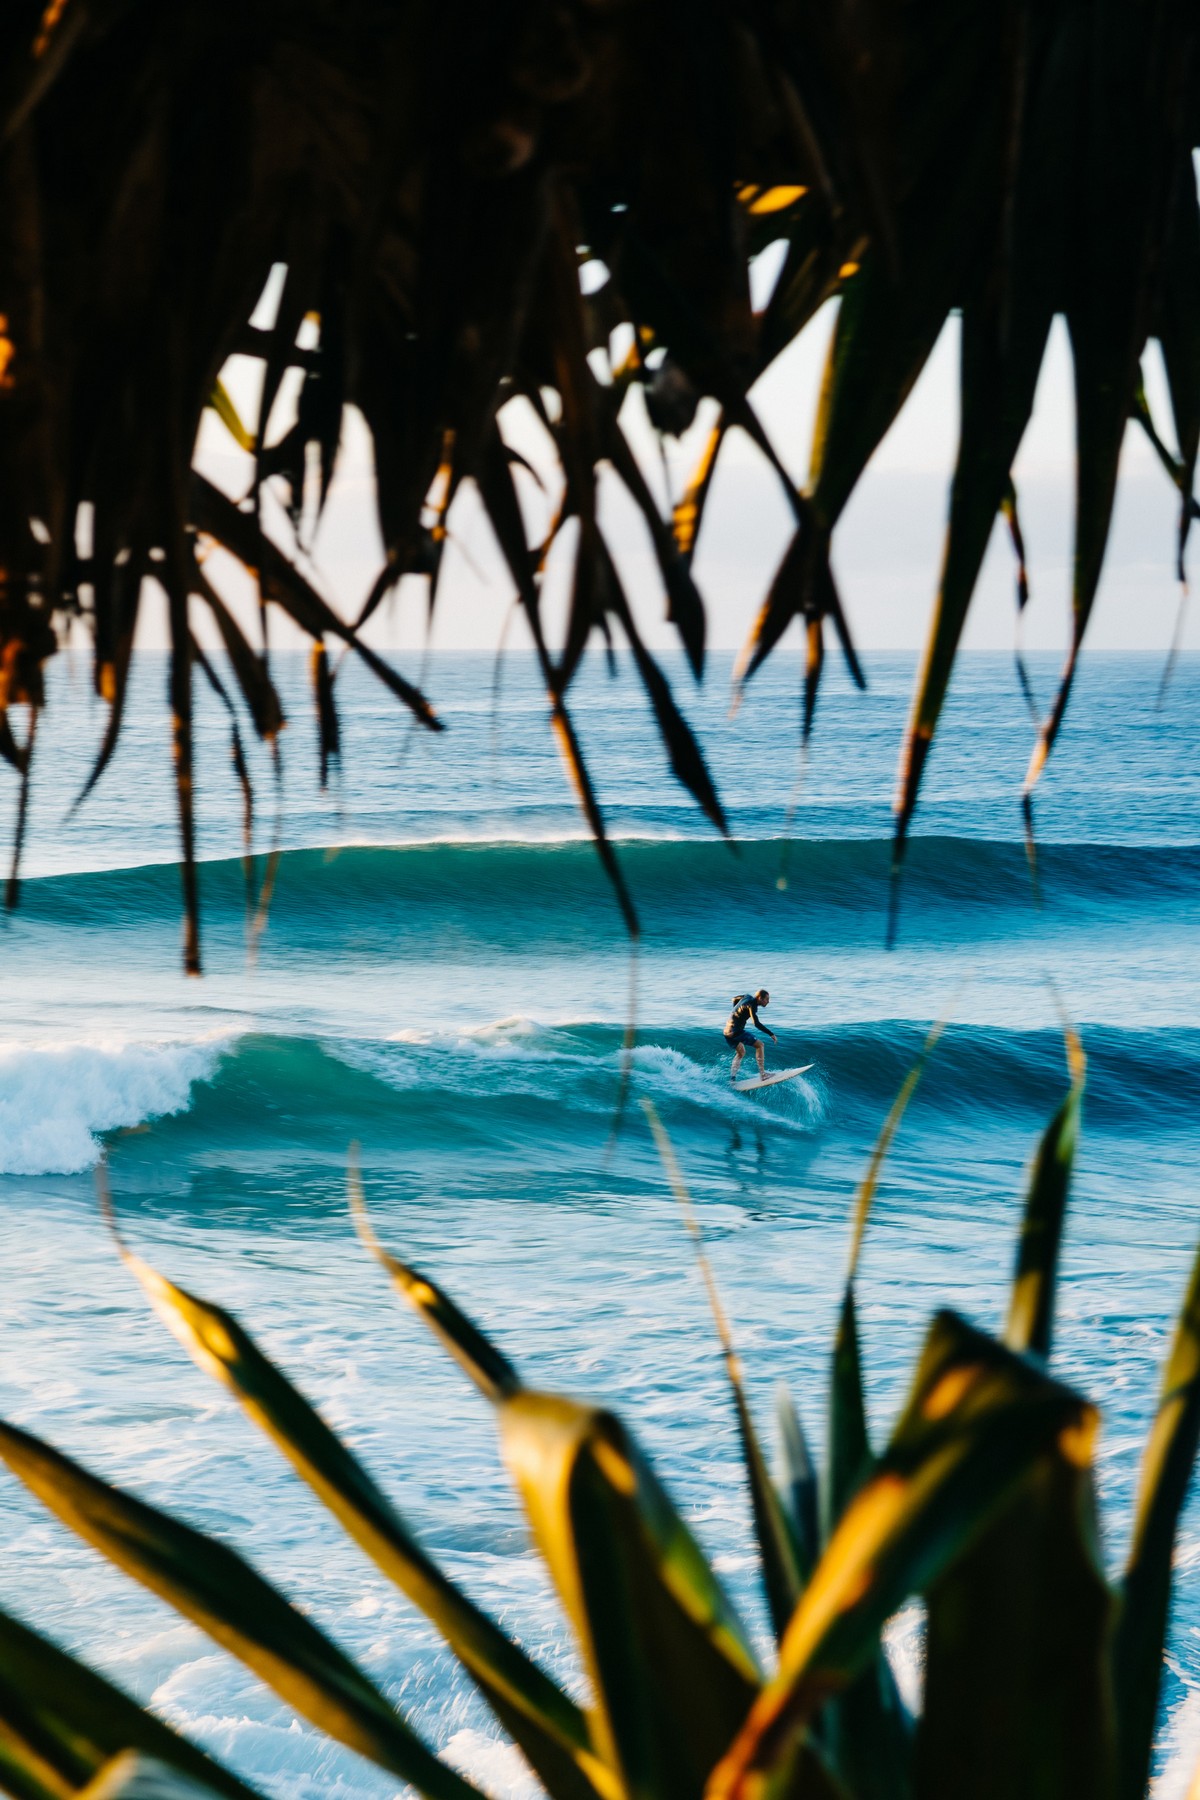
x: 549, y: 1728
x: 212, y: 1585
x: 1031, y: 1307
x: 283, y: 583
x: 60, y: 1723
x: 672, y: 1668
x: 329, y: 733
x: 978, y: 1422
x: 1146, y: 1590
x: 687, y: 762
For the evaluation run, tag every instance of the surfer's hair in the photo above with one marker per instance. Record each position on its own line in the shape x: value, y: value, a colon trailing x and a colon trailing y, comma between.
x: 762, y: 996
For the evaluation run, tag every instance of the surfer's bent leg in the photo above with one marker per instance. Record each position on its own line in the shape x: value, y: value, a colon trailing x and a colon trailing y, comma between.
x: 739, y: 1050
x: 761, y: 1055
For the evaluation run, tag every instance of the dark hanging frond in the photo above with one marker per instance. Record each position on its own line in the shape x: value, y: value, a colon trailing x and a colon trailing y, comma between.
x: 426, y: 182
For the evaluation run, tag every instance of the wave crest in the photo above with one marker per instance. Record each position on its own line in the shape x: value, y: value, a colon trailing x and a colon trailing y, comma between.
x: 57, y: 1098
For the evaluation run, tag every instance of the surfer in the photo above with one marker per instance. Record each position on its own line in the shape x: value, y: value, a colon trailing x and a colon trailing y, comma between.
x: 745, y: 1009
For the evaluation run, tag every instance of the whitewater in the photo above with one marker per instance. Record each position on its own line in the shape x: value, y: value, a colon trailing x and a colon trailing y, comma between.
x: 444, y: 979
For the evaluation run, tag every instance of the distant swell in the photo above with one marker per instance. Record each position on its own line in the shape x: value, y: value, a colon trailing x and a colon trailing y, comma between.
x: 559, y: 887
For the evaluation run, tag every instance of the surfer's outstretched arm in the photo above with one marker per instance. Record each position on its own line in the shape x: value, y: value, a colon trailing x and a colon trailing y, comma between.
x: 761, y: 1026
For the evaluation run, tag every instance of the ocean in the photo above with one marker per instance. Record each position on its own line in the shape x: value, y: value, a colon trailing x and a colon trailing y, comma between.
x: 445, y: 980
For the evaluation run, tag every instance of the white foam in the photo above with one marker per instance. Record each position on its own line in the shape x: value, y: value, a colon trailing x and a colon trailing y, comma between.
x: 669, y: 1072
x: 904, y: 1645
x: 1180, y: 1747
x: 116, y: 856
x: 57, y: 1097
x: 499, y: 1037
x: 497, y: 1767
x: 522, y: 1056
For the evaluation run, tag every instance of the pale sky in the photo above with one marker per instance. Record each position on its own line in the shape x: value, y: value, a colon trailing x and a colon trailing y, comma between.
x: 886, y: 548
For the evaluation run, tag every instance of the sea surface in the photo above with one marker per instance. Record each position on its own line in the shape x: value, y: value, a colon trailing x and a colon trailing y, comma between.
x: 444, y: 979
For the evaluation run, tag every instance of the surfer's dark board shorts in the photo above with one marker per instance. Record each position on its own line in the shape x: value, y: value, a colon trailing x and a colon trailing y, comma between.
x: 734, y: 1038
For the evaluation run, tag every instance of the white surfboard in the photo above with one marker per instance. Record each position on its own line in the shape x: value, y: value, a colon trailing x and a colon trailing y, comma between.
x: 762, y: 1081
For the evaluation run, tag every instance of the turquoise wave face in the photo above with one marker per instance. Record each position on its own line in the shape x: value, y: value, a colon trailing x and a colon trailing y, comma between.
x: 514, y: 1084
x: 442, y: 939
x: 427, y: 888
x: 495, y: 1091
x: 458, y: 1008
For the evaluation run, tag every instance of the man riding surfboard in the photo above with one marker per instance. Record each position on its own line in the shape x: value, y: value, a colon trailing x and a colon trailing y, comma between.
x: 745, y: 1009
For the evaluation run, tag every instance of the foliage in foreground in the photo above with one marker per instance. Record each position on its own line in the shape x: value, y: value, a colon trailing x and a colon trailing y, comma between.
x: 1040, y: 1678
x: 431, y: 175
